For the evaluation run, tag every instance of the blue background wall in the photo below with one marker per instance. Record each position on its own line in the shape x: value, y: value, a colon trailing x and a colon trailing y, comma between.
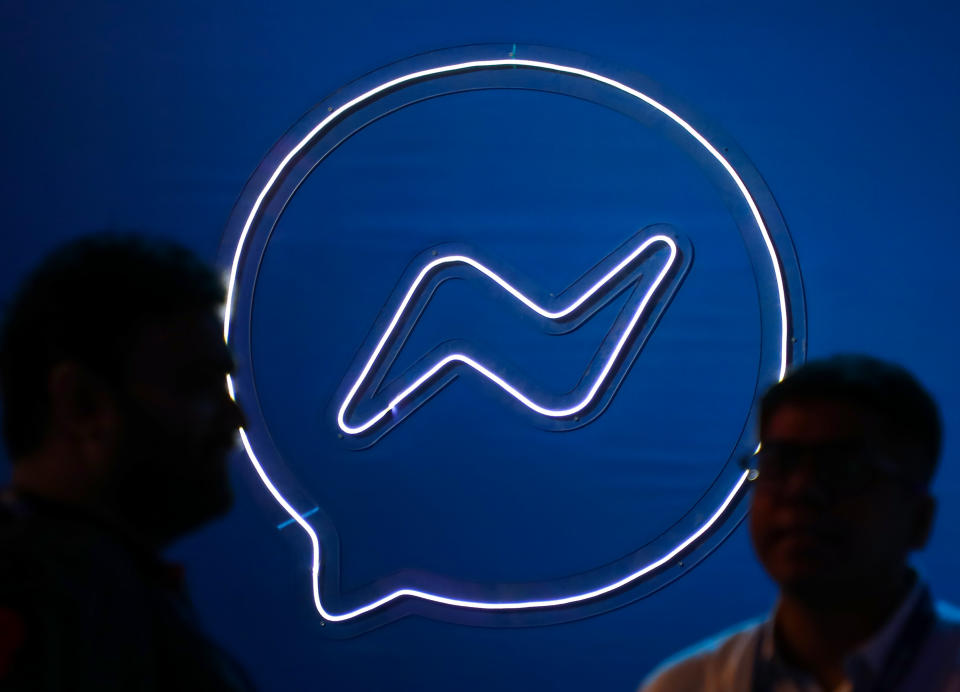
x: 134, y: 115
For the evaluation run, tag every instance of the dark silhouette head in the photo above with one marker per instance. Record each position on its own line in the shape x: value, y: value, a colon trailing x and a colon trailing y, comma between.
x: 112, y: 377
x: 910, y: 418
x: 849, y: 445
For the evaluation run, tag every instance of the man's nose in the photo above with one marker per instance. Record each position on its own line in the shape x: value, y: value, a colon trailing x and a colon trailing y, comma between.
x: 804, y: 482
x: 231, y: 413
x: 238, y: 419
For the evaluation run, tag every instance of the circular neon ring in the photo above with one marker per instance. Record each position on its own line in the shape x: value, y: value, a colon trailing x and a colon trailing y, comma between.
x: 438, y: 598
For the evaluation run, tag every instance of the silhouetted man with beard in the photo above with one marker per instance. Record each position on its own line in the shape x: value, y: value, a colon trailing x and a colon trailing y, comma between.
x: 848, y: 449
x: 118, y: 424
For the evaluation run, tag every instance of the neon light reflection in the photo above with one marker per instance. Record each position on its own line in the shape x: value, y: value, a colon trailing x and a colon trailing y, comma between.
x: 318, y: 129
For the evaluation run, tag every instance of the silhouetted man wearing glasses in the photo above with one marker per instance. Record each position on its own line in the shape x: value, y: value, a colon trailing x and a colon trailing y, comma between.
x: 848, y: 449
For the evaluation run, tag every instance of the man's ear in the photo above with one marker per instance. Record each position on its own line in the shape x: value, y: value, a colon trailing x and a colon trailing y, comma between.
x: 925, y: 513
x: 83, y: 409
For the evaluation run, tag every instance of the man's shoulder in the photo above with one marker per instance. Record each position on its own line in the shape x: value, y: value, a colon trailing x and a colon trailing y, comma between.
x: 50, y: 564
x: 54, y: 540
x: 721, y: 662
x: 26, y: 547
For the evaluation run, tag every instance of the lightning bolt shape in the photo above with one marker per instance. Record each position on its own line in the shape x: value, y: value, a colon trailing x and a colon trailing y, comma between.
x: 570, y: 309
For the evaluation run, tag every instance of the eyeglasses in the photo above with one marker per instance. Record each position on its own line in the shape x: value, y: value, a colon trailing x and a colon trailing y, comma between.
x: 843, y: 466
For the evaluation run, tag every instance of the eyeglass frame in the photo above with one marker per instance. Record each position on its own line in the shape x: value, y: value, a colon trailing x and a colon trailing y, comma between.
x: 880, y: 467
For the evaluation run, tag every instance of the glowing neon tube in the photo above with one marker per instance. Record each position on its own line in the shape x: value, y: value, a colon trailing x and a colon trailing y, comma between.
x: 579, y: 302
x: 358, y: 102
x: 477, y: 605
x: 533, y: 64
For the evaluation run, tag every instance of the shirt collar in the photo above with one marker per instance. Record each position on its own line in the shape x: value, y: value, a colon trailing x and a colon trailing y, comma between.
x: 873, y: 653
x: 869, y: 658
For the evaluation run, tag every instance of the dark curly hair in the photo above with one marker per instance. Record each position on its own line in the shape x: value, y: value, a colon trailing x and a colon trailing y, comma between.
x: 85, y: 303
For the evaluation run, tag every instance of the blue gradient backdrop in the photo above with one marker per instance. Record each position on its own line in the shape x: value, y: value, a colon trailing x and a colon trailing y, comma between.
x: 152, y: 116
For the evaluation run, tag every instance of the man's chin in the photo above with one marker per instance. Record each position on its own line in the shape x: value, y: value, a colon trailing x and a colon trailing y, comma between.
x: 807, y: 571
x: 816, y: 584
x: 204, y: 509
x: 215, y: 505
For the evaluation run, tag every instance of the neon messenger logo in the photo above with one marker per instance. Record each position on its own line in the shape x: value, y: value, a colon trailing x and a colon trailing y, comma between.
x: 653, y: 262
x: 580, y: 399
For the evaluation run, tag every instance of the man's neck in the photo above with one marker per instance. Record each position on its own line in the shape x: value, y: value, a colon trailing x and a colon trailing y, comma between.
x: 818, y: 634
x: 42, y: 482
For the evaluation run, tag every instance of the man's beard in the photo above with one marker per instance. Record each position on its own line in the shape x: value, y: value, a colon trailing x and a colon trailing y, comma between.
x: 167, y: 482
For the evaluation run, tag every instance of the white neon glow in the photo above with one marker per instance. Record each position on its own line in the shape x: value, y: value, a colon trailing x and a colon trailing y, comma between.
x: 478, y: 605
x: 533, y: 64
x: 540, y: 310
x: 358, y: 101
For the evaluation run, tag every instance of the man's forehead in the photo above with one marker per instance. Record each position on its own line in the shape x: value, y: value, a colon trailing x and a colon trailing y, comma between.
x: 820, y: 419
x: 192, y: 335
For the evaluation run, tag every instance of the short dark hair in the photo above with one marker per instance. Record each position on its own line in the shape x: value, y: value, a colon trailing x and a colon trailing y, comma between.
x: 86, y: 302
x: 909, y: 415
